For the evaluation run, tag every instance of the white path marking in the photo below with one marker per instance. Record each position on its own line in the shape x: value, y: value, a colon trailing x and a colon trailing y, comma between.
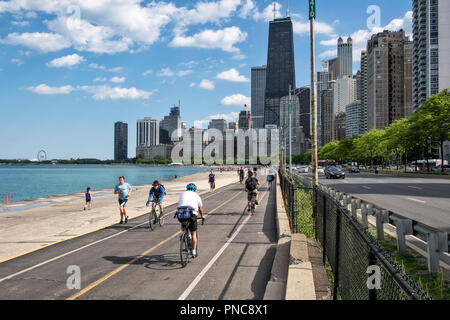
x: 417, y: 188
x: 416, y: 200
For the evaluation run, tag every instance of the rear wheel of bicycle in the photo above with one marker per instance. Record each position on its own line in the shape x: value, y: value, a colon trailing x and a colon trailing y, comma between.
x: 184, y: 250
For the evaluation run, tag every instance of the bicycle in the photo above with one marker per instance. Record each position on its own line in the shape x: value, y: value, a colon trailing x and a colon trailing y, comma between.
x: 241, y: 179
x: 186, y: 242
x: 155, y: 214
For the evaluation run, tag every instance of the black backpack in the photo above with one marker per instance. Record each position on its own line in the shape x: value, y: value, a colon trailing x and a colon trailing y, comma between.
x: 251, y: 184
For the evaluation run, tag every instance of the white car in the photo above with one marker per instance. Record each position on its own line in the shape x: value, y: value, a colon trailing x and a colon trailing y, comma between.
x: 303, y: 169
x: 320, y: 170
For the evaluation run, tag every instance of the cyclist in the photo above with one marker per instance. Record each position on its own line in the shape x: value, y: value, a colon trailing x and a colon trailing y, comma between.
x: 241, y: 174
x: 271, y: 177
x: 158, y: 192
x: 251, y: 187
x: 191, y: 202
x: 255, y: 170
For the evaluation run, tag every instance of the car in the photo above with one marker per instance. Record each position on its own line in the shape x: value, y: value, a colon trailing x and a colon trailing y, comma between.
x: 303, y: 169
x: 439, y: 168
x: 354, y: 170
x: 320, y: 170
x: 334, y: 173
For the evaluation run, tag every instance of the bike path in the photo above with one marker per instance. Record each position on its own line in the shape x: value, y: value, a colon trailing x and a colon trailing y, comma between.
x: 127, y: 261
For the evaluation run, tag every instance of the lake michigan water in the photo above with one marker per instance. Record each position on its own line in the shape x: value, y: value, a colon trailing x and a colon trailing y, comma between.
x: 41, y: 181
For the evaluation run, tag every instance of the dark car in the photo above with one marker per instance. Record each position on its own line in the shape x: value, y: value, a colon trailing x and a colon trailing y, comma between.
x: 334, y: 173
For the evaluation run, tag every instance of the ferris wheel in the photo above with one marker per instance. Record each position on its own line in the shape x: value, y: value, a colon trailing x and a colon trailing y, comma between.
x: 42, y: 156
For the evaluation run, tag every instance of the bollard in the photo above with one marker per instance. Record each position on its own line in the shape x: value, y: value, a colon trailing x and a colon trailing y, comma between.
x: 404, y: 227
x: 382, y: 217
x: 354, y: 208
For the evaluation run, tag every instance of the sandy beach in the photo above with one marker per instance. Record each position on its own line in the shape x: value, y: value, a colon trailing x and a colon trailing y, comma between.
x: 54, y: 219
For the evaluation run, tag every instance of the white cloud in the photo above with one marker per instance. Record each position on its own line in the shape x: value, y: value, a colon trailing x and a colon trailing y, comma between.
x: 66, y: 62
x: 146, y: 73
x: 100, y: 67
x: 206, y: 84
x: 236, y: 100
x: 232, y: 75
x: 267, y: 13
x: 224, y: 39
x: 167, y: 72
x: 20, y: 23
x: 44, y: 89
x: 207, y: 12
x: 43, y: 42
x: 117, y: 79
x: 17, y: 61
x: 100, y: 79
x: 247, y: 9
x: 192, y: 85
x: 303, y: 27
x: 116, y: 93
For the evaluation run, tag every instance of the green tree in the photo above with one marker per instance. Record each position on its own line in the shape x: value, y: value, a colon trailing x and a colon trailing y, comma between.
x: 433, y: 117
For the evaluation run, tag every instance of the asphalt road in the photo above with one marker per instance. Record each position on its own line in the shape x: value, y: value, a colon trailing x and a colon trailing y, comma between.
x: 236, y: 253
x: 420, y: 199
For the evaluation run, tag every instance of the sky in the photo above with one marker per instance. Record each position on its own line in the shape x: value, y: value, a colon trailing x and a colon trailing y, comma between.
x: 69, y: 69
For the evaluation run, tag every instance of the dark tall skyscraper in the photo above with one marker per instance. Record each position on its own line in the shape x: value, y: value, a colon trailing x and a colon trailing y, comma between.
x: 120, y: 141
x: 280, y: 68
x: 304, y: 97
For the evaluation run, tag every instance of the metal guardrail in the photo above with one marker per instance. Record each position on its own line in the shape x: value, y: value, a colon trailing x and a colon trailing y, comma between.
x: 351, y: 250
x: 437, y: 241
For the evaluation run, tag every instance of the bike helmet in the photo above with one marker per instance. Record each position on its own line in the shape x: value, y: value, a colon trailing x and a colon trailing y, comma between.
x: 156, y: 183
x: 191, y: 187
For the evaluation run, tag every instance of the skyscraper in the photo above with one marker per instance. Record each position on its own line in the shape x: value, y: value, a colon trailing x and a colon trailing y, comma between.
x: 327, y: 115
x: 344, y: 93
x: 298, y: 136
x: 147, y: 132
x: 323, y: 79
x: 386, y: 78
x: 218, y: 124
x: 363, y: 121
x: 345, y: 55
x: 258, y: 95
x: 304, y: 97
x: 280, y: 68
x: 431, y: 27
x: 171, y: 123
x: 352, y: 119
x: 120, y: 141
x: 245, y: 120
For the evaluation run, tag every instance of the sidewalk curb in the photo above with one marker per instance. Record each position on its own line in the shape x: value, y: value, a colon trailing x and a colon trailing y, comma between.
x: 289, y: 279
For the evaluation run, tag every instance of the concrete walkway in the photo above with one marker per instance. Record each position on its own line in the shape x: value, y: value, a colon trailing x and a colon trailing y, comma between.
x: 60, y: 218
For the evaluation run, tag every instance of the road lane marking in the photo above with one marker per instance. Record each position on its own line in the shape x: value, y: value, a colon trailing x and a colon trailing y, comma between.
x: 114, y: 272
x: 82, y: 248
x: 417, y: 188
x: 199, y: 277
x: 367, y: 188
x: 416, y: 200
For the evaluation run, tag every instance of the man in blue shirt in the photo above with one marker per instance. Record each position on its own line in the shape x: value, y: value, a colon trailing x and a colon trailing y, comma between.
x: 124, y: 191
x: 158, y: 192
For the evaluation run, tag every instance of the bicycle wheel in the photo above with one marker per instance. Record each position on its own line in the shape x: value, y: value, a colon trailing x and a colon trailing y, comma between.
x: 184, y: 249
x: 151, y: 218
x: 160, y: 217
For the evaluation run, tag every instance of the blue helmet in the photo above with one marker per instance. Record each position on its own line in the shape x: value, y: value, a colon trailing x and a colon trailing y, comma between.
x: 191, y: 187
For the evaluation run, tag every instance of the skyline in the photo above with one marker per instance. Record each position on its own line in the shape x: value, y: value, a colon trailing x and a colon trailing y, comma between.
x: 55, y: 92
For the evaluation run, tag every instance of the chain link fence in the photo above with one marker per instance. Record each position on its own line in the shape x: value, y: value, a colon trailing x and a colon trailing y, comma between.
x: 362, y: 269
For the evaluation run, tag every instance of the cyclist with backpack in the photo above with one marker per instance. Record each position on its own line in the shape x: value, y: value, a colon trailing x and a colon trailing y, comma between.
x: 251, y: 187
x: 189, y: 207
x: 157, y: 191
x: 241, y: 174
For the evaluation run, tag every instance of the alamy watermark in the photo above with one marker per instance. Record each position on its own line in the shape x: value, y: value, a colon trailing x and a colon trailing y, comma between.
x: 74, y: 280
x: 374, y: 20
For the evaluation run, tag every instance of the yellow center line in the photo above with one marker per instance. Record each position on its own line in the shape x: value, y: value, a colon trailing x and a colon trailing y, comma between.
x: 142, y: 255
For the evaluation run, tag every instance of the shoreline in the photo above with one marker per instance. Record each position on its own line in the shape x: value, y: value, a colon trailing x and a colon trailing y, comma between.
x: 25, y: 231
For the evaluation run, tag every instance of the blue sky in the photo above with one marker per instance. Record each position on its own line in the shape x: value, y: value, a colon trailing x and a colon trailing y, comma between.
x: 69, y: 69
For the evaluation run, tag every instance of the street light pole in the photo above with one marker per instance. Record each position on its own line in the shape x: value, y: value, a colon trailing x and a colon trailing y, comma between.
x: 312, y: 17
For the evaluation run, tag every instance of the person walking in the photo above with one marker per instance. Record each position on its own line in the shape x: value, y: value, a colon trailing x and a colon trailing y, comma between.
x: 124, y: 191
x: 212, y: 181
x: 88, y: 197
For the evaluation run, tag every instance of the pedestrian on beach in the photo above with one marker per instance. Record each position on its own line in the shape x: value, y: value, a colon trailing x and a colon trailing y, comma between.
x: 124, y: 191
x: 88, y: 197
x: 212, y: 181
